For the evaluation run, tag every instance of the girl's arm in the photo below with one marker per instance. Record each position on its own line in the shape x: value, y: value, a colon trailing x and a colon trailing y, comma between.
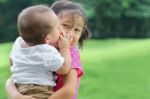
x: 11, y: 89
x: 13, y: 92
x: 69, y: 87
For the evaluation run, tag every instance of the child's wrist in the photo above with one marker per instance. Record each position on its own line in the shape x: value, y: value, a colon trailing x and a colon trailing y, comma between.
x: 16, y: 96
x: 67, y: 47
x: 64, y: 49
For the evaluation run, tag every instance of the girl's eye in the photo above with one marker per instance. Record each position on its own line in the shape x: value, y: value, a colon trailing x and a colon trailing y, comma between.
x: 77, y: 30
x: 65, y: 25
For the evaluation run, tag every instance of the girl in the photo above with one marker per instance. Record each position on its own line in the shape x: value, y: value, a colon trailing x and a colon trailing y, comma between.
x: 72, y: 20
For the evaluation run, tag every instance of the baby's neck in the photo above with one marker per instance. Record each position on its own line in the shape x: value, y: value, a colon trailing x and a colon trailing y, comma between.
x: 25, y: 45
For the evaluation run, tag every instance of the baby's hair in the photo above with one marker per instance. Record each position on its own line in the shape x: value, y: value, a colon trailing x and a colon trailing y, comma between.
x: 75, y: 8
x: 32, y: 24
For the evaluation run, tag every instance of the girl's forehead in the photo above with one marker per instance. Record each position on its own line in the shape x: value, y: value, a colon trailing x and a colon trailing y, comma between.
x: 72, y: 18
x: 78, y: 20
x: 67, y: 16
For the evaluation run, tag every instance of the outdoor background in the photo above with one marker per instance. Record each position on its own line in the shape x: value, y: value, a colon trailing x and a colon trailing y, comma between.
x: 116, y: 60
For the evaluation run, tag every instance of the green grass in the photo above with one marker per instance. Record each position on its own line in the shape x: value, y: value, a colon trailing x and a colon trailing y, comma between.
x: 4, y: 67
x: 116, y: 69
x: 113, y: 69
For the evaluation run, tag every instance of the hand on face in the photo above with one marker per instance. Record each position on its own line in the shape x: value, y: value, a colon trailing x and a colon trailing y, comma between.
x: 64, y: 40
x: 69, y: 36
x: 71, y: 24
x: 68, y: 33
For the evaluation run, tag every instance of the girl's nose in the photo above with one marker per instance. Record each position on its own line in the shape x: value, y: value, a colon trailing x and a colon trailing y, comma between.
x: 71, y: 33
x: 71, y: 36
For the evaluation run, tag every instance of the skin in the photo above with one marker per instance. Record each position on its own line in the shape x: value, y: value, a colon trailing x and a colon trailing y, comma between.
x: 54, y: 34
x: 72, y: 24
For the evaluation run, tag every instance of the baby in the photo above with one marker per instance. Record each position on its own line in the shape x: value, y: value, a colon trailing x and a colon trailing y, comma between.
x: 34, y: 57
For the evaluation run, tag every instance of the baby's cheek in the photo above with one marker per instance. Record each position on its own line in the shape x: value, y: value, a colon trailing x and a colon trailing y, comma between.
x: 55, y: 44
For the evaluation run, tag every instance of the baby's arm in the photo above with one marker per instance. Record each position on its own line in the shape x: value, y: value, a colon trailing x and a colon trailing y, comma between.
x: 13, y: 92
x: 64, y: 44
x: 65, y: 52
x: 69, y: 87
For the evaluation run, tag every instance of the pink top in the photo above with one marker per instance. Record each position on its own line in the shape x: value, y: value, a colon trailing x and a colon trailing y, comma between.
x: 75, y: 64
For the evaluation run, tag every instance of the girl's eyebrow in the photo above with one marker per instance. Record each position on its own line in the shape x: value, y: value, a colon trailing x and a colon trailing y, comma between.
x: 80, y: 25
x: 68, y: 21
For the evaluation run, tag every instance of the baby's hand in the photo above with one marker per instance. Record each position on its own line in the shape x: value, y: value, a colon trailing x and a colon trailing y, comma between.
x: 23, y: 97
x: 27, y: 97
x: 64, y: 41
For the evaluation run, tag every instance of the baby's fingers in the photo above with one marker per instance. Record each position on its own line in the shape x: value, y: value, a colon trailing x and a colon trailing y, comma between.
x: 29, y: 97
x: 61, y: 37
x: 62, y: 34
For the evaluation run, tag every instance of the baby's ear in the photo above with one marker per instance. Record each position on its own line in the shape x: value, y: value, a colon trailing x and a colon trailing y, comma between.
x: 48, y: 39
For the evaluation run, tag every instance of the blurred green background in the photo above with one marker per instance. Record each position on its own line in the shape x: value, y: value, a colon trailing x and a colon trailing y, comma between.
x: 113, y: 69
x: 115, y: 59
x: 106, y: 18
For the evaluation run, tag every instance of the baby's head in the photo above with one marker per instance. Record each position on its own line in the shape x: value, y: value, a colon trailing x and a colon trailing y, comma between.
x: 38, y: 25
x: 72, y: 19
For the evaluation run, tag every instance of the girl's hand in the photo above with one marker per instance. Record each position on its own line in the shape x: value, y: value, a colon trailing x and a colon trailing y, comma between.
x: 64, y: 41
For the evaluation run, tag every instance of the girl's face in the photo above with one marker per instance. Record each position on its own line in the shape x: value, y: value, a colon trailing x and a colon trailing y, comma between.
x: 72, y: 24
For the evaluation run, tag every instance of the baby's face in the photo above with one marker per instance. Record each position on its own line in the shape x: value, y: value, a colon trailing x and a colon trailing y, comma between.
x: 54, y: 34
x: 72, y: 24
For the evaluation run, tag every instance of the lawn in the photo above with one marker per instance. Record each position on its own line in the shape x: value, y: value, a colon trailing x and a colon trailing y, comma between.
x: 4, y: 67
x: 113, y: 69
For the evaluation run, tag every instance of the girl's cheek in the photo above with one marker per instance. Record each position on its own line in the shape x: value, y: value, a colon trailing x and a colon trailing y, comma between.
x: 61, y: 29
x: 71, y: 39
x: 74, y: 41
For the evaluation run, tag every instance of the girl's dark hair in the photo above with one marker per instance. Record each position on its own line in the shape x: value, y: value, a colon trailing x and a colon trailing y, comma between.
x: 64, y: 5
